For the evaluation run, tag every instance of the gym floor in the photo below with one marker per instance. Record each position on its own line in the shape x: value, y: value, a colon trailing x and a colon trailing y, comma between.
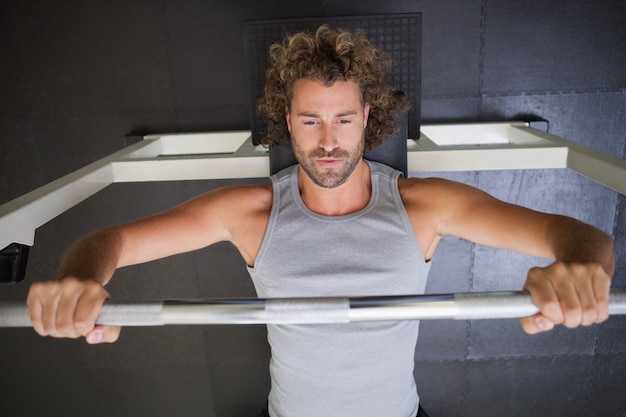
x: 78, y: 77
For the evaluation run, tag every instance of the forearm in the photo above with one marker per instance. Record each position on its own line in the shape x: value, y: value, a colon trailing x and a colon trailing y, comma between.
x: 93, y: 257
x: 574, y: 241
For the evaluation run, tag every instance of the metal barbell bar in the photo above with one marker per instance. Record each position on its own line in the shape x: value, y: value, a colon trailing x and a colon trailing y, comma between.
x: 464, y: 306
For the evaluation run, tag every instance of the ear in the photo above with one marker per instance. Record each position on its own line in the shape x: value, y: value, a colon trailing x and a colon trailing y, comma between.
x: 366, y: 113
x: 288, y: 118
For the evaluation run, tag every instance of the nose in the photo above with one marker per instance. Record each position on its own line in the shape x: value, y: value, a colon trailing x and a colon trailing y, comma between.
x: 328, y: 142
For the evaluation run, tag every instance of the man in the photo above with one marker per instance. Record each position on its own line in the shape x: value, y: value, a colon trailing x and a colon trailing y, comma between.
x: 337, y: 225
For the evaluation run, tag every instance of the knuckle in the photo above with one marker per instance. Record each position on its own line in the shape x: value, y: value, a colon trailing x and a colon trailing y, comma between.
x: 573, y: 318
x: 578, y: 269
x: 589, y: 315
x: 552, y: 310
x: 93, y: 289
x: 83, y: 325
x: 603, y: 315
x: 589, y: 307
x: 558, y: 269
x: 64, y: 327
x: 48, y: 328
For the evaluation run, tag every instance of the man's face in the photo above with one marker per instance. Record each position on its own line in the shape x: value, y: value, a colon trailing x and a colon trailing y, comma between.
x: 327, y: 126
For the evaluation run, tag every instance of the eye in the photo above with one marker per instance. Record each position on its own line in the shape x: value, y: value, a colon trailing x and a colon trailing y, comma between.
x: 344, y: 121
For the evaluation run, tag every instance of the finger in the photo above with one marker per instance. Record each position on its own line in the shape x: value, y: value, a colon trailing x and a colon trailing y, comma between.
x: 544, y: 295
x: 66, y: 310
x: 103, y: 334
x: 570, y: 303
x: 88, y: 307
x: 601, y: 284
x: 588, y: 305
x: 35, y: 309
x: 49, y: 309
x: 536, y: 324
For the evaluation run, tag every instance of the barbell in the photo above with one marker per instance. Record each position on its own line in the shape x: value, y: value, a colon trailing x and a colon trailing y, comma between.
x: 462, y: 306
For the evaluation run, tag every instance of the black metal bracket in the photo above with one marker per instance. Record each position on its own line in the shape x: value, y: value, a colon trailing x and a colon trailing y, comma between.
x: 13, y: 263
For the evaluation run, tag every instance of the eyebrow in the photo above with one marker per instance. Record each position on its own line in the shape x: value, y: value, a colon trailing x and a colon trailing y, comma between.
x: 316, y: 115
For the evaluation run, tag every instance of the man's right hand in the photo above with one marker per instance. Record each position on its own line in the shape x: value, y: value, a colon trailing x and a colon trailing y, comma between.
x: 68, y: 308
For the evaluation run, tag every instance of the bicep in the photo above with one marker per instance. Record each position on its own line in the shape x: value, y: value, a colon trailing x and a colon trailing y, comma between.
x: 476, y: 216
x: 192, y: 225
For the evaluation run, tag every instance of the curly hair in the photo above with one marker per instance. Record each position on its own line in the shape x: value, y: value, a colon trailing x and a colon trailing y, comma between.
x: 328, y: 56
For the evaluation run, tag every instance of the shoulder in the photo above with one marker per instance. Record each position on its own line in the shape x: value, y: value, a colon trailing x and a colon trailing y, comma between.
x: 239, y: 201
x: 454, y: 208
x: 256, y: 195
x: 432, y: 190
x: 225, y: 207
x: 440, y: 189
x: 443, y: 202
x: 426, y: 197
x: 240, y: 213
x: 214, y: 216
x: 245, y: 211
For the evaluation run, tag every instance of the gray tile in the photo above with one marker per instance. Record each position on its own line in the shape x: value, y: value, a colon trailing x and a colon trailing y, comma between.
x: 15, y: 98
x: 137, y: 348
x: 195, y: 70
x: 493, y: 339
x: 540, y: 45
x: 89, y: 66
x: 450, y: 109
x: 215, y: 118
x: 239, y: 344
x: 619, y: 279
x: 455, y: 28
x: 609, y: 378
x: 222, y: 273
x: 240, y: 389
x: 612, y: 337
x: 440, y: 386
x: 442, y: 340
x: 450, y: 268
x: 157, y: 391
x: 500, y: 270
x: 20, y: 161
x: 597, y: 120
x: 528, y: 387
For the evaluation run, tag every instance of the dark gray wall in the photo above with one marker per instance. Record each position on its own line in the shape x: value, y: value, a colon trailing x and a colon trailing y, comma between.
x: 78, y: 76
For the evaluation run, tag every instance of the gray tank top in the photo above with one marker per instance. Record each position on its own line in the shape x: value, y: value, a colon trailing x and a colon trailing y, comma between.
x: 355, y: 369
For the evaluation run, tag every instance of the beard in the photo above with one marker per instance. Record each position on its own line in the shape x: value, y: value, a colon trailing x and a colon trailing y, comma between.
x: 329, y: 177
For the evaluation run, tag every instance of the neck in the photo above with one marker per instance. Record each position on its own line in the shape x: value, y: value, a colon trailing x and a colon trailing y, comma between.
x: 351, y: 196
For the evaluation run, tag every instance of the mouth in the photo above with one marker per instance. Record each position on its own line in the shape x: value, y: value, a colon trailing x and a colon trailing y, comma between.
x: 329, y: 162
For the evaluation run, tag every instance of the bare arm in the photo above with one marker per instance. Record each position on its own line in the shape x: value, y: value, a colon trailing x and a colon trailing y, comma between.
x: 68, y: 306
x: 573, y: 291
x: 575, y: 241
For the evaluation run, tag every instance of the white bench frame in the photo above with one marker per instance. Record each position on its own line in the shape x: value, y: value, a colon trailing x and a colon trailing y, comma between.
x: 220, y: 155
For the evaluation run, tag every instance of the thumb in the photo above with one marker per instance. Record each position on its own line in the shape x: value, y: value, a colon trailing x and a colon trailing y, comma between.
x: 103, y: 334
x: 537, y: 323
